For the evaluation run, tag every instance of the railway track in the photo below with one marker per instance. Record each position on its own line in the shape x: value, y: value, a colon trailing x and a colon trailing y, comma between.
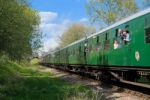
x: 140, y: 92
x: 113, y: 87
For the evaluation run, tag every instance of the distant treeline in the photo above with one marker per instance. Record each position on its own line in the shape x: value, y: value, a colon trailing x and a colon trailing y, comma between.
x: 19, y: 34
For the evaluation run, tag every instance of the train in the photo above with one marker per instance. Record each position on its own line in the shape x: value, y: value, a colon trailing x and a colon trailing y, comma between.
x: 120, y: 51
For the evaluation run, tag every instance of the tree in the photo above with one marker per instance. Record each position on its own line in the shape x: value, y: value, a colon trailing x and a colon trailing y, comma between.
x: 75, y: 32
x: 18, y: 29
x: 107, y: 12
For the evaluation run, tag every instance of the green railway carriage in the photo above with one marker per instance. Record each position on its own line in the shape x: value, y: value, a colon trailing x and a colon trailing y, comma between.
x: 57, y: 57
x: 98, y: 49
x: 64, y: 56
x: 107, y: 49
x: 48, y: 59
x: 76, y: 53
x: 134, y: 54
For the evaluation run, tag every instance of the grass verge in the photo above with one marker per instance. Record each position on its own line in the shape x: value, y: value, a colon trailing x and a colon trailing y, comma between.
x: 28, y: 83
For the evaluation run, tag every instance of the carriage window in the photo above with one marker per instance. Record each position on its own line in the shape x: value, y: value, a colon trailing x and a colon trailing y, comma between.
x: 126, y: 35
x: 117, y: 42
x: 147, y: 21
x: 79, y: 48
x: 97, y: 46
x: 97, y: 39
x: 106, y: 37
x: 116, y: 33
x: 106, y: 45
x: 147, y: 35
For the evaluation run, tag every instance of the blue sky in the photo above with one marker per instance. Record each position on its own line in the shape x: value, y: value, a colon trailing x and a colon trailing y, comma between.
x: 73, y: 9
x: 56, y: 16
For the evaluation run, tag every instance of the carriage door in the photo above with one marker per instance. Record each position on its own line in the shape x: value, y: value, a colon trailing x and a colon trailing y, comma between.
x: 106, y: 48
x: 127, y: 45
x: 67, y: 55
x: 85, y: 51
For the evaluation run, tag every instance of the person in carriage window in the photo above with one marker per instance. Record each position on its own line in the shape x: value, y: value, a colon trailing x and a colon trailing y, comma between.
x: 116, y: 45
x: 126, y: 36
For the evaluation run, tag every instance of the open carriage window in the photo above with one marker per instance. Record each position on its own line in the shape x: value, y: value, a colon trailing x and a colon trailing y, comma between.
x: 106, y: 37
x: 97, y: 39
x: 116, y: 34
x: 126, y: 35
x: 117, y: 42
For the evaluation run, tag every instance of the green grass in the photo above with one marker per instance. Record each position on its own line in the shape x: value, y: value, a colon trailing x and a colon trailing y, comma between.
x: 29, y: 83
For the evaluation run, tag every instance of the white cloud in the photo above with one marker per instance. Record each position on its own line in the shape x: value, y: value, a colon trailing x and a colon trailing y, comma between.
x: 52, y: 28
x: 47, y: 17
x: 83, y: 20
x: 50, y: 44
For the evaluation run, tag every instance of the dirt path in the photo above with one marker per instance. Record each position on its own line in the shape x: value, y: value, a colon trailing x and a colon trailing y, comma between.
x: 111, y: 92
